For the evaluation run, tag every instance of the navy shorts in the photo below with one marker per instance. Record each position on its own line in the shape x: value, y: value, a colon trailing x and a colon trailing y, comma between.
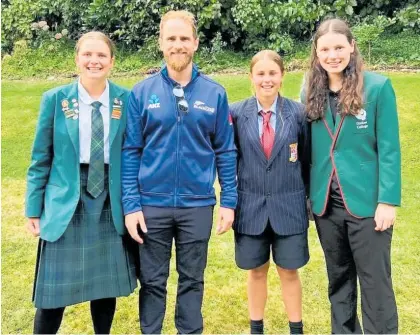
x: 289, y: 251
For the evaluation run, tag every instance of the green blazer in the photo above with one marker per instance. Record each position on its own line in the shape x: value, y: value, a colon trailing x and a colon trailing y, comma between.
x: 364, y: 150
x: 53, y: 181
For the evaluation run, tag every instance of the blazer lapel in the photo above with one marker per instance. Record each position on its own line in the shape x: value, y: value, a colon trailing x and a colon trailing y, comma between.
x: 282, y: 127
x: 251, y: 127
x: 69, y: 99
x: 116, y: 110
x: 339, y: 123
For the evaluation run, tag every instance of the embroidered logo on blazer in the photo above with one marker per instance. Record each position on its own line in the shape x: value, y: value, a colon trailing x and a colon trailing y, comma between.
x: 293, y: 152
x: 361, y: 117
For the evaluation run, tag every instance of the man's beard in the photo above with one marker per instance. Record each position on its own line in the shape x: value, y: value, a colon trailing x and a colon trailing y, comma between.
x: 179, y: 64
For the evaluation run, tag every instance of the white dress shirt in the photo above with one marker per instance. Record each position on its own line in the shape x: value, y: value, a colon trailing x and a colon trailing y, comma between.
x: 85, y: 122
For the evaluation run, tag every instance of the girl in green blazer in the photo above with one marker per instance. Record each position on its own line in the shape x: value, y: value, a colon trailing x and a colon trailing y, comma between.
x: 355, y: 179
x: 73, y: 198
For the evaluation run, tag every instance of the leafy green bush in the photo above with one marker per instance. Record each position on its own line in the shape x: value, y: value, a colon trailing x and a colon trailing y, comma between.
x: 16, y: 21
x: 368, y: 31
x: 276, y: 25
x: 401, y: 50
x: 408, y: 18
x: 244, y: 25
x: 52, y: 59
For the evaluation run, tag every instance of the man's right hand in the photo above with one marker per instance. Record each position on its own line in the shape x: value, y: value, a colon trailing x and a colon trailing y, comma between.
x: 32, y: 225
x: 132, y: 221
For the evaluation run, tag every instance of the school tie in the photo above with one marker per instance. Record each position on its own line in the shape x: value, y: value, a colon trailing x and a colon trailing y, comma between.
x: 267, y: 138
x: 95, y: 184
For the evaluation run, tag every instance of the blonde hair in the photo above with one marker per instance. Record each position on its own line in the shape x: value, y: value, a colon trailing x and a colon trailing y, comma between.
x: 96, y: 35
x: 182, y: 15
x: 267, y: 55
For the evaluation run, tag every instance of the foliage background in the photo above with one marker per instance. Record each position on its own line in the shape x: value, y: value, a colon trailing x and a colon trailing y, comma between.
x: 242, y: 25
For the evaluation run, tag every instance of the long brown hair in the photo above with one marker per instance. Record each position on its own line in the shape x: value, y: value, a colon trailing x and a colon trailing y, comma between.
x: 317, y: 84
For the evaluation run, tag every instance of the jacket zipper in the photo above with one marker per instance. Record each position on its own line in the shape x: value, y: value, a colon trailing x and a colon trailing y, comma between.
x: 178, y: 125
x: 178, y: 121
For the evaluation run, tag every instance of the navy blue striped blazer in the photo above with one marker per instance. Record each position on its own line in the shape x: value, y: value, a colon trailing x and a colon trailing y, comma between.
x: 271, y: 189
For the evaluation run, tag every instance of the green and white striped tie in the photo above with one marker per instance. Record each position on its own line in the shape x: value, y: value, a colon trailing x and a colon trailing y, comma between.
x: 95, y: 184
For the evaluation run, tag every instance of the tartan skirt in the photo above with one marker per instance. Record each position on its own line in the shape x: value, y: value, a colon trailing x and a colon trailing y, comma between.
x: 90, y: 260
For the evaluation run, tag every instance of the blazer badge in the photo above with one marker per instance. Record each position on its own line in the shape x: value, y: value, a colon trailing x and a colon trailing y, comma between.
x: 116, y: 109
x: 293, y: 152
x: 70, y: 111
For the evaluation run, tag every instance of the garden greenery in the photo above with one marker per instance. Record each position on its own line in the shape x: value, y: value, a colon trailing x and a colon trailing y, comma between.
x: 243, y: 25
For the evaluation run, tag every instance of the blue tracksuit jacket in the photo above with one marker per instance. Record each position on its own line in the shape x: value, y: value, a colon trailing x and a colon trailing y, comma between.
x: 170, y: 157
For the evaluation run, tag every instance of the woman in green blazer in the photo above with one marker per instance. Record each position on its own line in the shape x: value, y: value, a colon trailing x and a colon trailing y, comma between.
x: 355, y: 179
x: 73, y: 198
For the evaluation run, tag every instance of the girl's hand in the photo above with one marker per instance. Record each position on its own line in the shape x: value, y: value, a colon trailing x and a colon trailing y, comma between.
x: 384, y: 217
x: 33, y: 226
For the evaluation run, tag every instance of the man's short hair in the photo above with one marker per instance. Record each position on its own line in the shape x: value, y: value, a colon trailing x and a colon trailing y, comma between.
x: 179, y: 14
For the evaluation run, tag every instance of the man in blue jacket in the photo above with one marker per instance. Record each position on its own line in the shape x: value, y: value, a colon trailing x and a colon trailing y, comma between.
x: 178, y: 133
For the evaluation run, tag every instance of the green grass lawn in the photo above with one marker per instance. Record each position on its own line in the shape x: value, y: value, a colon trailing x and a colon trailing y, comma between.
x: 225, y: 302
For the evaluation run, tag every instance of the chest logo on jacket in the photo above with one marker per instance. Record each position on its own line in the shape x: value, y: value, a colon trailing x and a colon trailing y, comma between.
x: 361, y: 117
x: 153, y: 102
x: 201, y: 105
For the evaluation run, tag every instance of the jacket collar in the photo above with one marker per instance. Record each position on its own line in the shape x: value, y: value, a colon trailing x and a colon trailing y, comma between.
x: 281, y: 108
x: 273, y: 107
x: 165, y: 75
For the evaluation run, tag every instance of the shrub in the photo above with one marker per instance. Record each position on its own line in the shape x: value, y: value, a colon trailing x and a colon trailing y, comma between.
x: 243, y: 25
x: 369, y: 31
x: 408, y: 18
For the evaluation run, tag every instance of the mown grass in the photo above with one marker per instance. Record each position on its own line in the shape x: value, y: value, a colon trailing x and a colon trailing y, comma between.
x: 225, y: 304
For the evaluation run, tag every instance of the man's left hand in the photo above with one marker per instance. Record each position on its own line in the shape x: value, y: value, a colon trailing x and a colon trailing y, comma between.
x: 224, y: 220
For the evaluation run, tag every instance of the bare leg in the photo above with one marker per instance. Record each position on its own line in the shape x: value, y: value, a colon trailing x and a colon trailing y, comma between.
x: 292, y: 293
x: 257, y: 291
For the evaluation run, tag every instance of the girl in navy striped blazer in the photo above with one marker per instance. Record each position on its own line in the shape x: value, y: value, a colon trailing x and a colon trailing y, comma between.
x: 271, y: 137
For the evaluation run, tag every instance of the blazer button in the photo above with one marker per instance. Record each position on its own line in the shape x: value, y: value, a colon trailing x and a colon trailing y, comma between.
x: 268, y: 194
x: 268, y: 169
